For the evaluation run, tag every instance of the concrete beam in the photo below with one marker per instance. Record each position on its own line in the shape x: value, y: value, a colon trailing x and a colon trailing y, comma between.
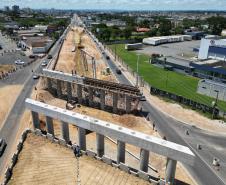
x: 121, y: 151
x: 82, y: 138
x: 35, y: 120
x: 144, y: 160
x: 49, y: 125
x: 166, y: 148
x: 65, y: 131
x: 100, y: 144
x: 62, y: 76
x: 170, y: 170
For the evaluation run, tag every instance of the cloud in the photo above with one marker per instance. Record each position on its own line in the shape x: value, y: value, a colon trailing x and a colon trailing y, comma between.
x: 121, y: 4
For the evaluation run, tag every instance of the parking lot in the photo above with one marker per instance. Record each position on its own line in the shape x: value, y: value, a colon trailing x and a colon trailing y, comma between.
x: 10, y: 58
x: 179, y: 49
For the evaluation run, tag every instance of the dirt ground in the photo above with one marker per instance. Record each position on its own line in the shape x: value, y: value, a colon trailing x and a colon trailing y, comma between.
x: 43, y: 162
x: 7, y: 99
x: 185, y: 115
x: 6, y: 68
x: 69, y: 60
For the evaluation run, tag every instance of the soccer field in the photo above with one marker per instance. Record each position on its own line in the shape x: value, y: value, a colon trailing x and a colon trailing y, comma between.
x: 170, y: 81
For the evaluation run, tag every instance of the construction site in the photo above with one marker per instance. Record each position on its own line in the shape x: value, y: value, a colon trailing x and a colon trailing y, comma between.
x: 80, y: 81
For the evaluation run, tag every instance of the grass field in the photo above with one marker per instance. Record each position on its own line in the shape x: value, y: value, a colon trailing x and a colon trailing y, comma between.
x: 165, y: 80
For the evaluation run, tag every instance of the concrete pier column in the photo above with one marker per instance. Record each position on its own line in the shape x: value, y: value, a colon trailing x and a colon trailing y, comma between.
x: 128, y: 104
x: 79, y: 93
x: 102, y: 99
x: 144, y: 160
x: 69, y: 91
x: 49, y: 125
x: 35, y: 120
x: 170, y: 170
x: 82, y: 138
x: 115, y: 103
x: 100, y: 145
x: 121, y: 149
x: 59, y: 88
x: 65, y: 131
x: 49, y: 84
x: 90, y: 89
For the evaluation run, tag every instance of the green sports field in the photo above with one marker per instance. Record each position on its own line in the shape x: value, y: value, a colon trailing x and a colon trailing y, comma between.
x: 166, y: 80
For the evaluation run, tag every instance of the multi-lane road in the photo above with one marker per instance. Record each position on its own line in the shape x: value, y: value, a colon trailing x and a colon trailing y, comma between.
x: 23, y: 76
x: 212, y: 144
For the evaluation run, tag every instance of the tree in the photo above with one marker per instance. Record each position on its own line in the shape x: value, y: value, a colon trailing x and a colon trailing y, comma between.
x: 165, y: 27
x: 127, y: 32
x: 217, y: 24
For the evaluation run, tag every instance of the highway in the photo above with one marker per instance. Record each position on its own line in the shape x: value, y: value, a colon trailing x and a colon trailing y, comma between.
x: 23, y: 76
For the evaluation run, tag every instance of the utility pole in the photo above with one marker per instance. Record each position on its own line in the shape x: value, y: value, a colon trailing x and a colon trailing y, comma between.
x: 138, y: 58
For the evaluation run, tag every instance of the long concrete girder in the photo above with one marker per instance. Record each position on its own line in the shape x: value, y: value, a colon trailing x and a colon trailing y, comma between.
x: 162, y: 147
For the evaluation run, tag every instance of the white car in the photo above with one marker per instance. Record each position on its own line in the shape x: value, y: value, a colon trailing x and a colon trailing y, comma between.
x: 44, y: 63
x: 19, y: 62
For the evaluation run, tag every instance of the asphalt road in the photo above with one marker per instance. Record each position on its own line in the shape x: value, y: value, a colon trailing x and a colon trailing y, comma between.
x: 11, y: 125
x: 174, y: 131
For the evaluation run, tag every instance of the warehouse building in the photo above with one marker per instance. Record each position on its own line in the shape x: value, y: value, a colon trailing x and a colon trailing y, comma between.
x: 214, y: 49
x: 154, y: 41
x: 212, y: 89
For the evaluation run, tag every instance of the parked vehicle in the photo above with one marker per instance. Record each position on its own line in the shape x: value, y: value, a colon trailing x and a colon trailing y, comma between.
x: 107, y: 57
x: 31, y: 56
x: 2, y: 146
x: 19, y: 62
x: 1, y: 47
x: 49, y: 57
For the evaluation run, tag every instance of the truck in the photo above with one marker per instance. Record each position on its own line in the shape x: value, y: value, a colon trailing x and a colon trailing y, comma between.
x: 134, y: 46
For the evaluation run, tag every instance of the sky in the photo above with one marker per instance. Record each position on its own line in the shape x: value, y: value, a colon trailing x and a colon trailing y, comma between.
x: 120, y: 4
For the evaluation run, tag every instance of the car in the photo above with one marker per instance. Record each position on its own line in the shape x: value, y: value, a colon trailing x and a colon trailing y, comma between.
x: 35, y: 77
x: 19, y: 62
x: 44, y: 63
x: 118, y: 71
x: 2, y: 146
x: 1, y: 47
x: 31, y: 56
x: 49, y: 57
x: 142, y: 98
x: 107, y: 57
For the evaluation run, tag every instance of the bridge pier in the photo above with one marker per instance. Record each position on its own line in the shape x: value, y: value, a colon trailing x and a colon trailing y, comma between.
x: 144, y: 159
x: 128, y: 104
x: 59, y: 88
x: 102, y: 99
x: 49, y: 83
x: 35, y: 120
x: 121, y: 149
x: 79, y: 93
x: 90, y: 89
x: 65, y: 131
x: 69, y: 92
x: 115, y: 103
x: 49, y: 125
x: 82, y: 138
x: 170, y: 170
x: 100, y: 144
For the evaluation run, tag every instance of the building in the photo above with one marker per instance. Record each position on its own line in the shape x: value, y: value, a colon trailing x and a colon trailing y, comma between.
x: 212, y: 89
x: 165, y: 39
x: 6, y: 9
x: 41, y: 28
x: 37, y: 45
x: 196, y: 35
x: 134, y: 46
x: 223, y: 33
x: 212, y: 48
x: 15, y: 8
